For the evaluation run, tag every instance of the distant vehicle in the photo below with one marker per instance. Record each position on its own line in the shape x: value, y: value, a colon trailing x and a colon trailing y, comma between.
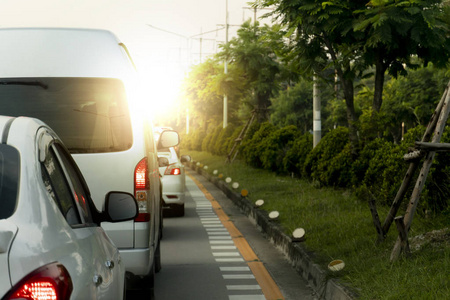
x: 173, y: 176
x: 51, y: 242
x: 83, y: 84
x: 173, y: 179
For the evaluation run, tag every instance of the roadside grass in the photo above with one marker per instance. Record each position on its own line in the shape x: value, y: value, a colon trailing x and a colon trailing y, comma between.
x: 339, y: 226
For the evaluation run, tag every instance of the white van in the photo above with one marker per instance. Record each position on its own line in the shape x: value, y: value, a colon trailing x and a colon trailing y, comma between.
x: 83, y: 84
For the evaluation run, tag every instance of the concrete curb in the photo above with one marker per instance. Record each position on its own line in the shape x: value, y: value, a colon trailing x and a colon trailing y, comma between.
x: 301, y: 260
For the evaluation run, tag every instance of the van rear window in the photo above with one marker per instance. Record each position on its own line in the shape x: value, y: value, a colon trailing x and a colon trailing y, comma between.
x: 90, y: 115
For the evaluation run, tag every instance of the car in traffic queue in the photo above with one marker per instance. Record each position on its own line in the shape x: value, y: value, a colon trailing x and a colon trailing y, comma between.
x: 84, y: 85
x: 51, y: 243
x: 173, y: 178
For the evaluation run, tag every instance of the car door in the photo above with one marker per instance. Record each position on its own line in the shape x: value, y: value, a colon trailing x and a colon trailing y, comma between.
x: 102, y: 276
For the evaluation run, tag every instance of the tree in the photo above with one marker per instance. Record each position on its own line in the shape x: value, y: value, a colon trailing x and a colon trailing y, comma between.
x: 254, y: 51
x: 399, y: 32
x: 322, y: 32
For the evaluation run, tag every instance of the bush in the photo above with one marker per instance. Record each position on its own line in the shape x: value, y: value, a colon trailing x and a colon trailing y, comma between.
x: 294, y: 160
x: 220, y: 147
x: 232, y: 139
x: 318, y: 159
x: 251, y: 149
x: 211, y: 139
x: 275, y: 146
x: 193, y: 141
x: 387, y: 167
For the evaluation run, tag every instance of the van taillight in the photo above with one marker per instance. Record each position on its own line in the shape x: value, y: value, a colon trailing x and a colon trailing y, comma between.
x: 141, y: 188
x: 50, y: 282
x: 172, y: 170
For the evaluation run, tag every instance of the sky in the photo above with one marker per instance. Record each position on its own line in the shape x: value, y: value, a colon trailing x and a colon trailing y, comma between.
x: 163, y: 36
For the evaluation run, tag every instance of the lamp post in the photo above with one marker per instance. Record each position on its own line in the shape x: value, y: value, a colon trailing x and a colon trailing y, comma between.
x: 225, y: 97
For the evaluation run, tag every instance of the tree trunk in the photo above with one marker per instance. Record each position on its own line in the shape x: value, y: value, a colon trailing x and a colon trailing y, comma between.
x: 380, y: 69
x: 347, y: 86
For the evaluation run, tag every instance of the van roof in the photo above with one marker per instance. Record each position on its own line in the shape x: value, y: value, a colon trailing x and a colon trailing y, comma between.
x: 62, y: 52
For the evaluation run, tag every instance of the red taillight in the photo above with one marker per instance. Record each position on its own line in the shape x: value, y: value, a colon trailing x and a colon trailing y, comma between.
x: 50, y: 282
x: 172, y: 170
x: 141, y: 188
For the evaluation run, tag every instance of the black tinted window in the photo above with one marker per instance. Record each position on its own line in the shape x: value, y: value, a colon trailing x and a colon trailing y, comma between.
x: 88, y: 114
x: 9, y: 180
x: 58, y: 187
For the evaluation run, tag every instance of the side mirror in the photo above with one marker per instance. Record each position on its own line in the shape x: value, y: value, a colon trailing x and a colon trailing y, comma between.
x: 120, y: 206
x: 163, y: 162
x: 185, y: 158
x: 167, y: 139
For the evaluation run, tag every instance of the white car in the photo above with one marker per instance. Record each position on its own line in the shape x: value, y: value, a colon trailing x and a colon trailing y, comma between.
x: 83, y: 84
x: 173, y: 178
x: 51, y: 242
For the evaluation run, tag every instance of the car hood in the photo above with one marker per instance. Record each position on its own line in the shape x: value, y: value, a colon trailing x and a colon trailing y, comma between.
x: 7, y: 233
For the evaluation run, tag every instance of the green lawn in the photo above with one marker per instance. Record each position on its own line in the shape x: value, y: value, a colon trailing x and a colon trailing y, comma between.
x: 339, y: 226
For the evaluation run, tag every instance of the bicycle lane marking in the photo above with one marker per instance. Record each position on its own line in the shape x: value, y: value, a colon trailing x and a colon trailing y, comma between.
x: 268, y: 286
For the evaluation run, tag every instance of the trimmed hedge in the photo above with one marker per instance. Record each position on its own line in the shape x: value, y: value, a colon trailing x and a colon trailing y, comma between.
x: 376, y: 171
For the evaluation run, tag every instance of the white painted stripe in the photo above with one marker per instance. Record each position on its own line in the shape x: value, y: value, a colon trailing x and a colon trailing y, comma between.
x: 216, y: 229
x: 226, y: 254
x: 226, y: 237
x: 243, y: 287
x: 246, y: 297
x: 211, y: 222
x: 217, y: 233
x: 224, y: 260
x: 209, y: 219
x: 234, y: 269
x: 239, y: 276
x: 223, y: 247
x: 221, y: 242
x: 213, y: 225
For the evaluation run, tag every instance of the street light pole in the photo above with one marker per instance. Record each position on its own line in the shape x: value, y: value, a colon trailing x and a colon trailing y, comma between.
x: 225, y: 97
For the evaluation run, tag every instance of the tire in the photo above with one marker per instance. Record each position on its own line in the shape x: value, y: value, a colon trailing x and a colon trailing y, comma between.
x: 179, y: 210
x: 157, y: 262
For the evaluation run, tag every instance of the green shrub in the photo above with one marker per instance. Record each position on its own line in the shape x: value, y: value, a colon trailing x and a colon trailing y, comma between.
x: 252, y: 149
x: 211, y: 141
x: 294, y: 160
x: 193, y: 141
x: 387, y: 167
x: 232, y: 139
x: 339, y: 169
x: 329, y: 146
x: 220, y: 147
x: 275, y: 146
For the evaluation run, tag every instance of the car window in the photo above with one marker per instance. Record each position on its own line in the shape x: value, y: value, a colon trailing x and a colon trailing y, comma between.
x: 79, y: 191
x: 9, y: 180
x: 59, y: 189
x: 90, y: 115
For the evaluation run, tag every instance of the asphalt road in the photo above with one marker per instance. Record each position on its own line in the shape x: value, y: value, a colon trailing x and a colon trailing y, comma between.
x: 215, y: 252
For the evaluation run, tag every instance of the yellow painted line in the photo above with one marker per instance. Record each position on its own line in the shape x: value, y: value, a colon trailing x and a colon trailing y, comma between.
x: 262, y: 276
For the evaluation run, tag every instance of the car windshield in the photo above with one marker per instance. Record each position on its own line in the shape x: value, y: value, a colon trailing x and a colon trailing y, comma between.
x: 89, y: 114
x: 9, y: 180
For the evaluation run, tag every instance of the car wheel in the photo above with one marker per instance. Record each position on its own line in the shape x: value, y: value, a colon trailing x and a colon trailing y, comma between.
x: 179, y: 210
x: 157, y: 262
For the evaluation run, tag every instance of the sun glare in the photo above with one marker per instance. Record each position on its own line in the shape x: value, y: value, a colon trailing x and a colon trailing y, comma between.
x: 162, y: 89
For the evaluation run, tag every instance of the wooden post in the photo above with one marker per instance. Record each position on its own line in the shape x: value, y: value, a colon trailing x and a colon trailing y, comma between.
x: 409, y: 215
x: 413, y: 166
x: 375, y: 218
x: 403, y: 235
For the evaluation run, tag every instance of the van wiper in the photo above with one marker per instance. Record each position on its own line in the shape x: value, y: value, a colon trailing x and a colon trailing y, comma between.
x: 31, y: 83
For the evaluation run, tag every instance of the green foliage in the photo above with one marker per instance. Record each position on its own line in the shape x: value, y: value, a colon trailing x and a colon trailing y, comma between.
x: 293, y: 161
x: 387, y: 168
x: 330, y: 145
x: 221, y: 145
x: 275, y: 146
x: 294, y: 106
x: 210, y: 140
x: 194, y: 140
x: 253, y: 148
